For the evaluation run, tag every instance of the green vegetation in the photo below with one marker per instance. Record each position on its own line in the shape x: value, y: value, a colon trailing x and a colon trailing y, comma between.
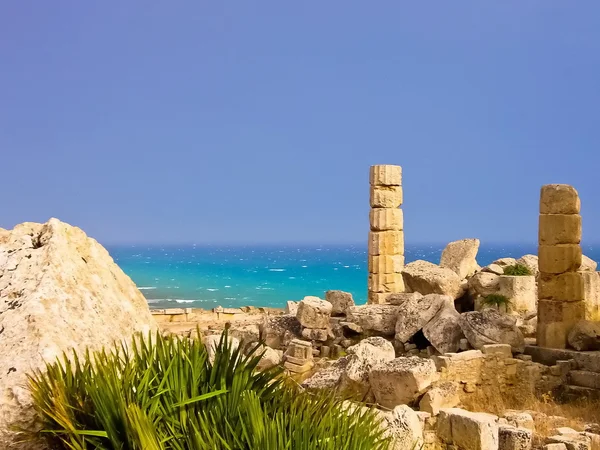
x: 163, y: 393
x: 496, y: 300
x: 517, y: 270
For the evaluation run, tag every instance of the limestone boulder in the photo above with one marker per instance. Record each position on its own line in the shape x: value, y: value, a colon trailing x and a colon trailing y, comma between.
x: 291, y: 308
x: 443, y: 395
x: 444, y: 331
x: 484, y: 284
x: 416, y: 312
x: 531, y: 262
x: 460, y: 257
x: 278, y: 331
x: 247, y: 334
x: 212, y: 341
x: 504, y: 262
x: 521, y: 292
x: 585, y: 335
x: 314, y: 312
x: 494, y: 268
x: 340, y: 302
x: 270, y: 357
x: 402, y: 424
x: 380, y: 319
x: 468, y: 430
x: 401, y: 380
x: 513, y: 438
x: 60, y: 291
x: 588, y: 264
x: 428, y: 278
x: 399, y: 298
x: 490, y: 326
x: 361, y: 358
x: 328, y: 378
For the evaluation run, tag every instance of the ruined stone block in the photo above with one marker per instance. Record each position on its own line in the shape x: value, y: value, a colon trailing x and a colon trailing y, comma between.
x: 559, y: 258
x: 520, y: 291
x: 386, y: 243
x: 511, y: 438
x: 568, y: 286
x: 386, y: 219
x: 315, y: 334
x: 468, y: 430
x: 340, y: 301
x: 559, y: 199
x: 559, y: 229
x: 555, y: 320
x: 377, y: 298
x: 386, y: 282
x: 591, y: 292
x: 386, y: 175
x: 386, y: 196
x: 385, y: 264
x: 314, y: 312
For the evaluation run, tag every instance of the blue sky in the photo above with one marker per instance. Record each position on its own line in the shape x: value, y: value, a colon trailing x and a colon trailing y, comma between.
x: 257, y: 121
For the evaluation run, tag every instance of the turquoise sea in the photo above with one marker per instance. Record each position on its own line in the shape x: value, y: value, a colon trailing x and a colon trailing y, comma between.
x: 207, y: 276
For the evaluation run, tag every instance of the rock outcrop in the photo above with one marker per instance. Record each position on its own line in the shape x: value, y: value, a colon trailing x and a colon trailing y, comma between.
x: 585, y: 335
x: 460, y: 257
x: 59, y: 291
x: 444, y: 330
x: 416, y: 312
x: 340, y: 302
x: 314, y: 313
x: 375, y: 318
x: 428, y: 278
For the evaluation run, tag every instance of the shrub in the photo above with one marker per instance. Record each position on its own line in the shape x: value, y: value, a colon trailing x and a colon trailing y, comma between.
x: 496, y: 300
x: 517, y: 270
x: 162, y: 393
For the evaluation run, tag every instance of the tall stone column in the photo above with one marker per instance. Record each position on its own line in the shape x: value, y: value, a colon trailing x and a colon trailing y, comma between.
x: 386, y: 239
x: 560, y: 286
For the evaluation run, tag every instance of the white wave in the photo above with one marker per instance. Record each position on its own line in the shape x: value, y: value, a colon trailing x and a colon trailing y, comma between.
x: 146, y: 288
x: 227, y: 286
x: 276, y: 270
x: 185, y: 301
x: 212, y: 289
x: 305, y: 266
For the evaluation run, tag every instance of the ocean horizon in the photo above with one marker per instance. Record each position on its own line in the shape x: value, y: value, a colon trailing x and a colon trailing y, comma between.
x: 206, y: 276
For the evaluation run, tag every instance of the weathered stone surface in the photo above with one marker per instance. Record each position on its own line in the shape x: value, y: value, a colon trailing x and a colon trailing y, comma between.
x: 591, y: 294
x: 386, y: 219
x: 328, y: 378
x: 559, y: 199
x: 559, y: 258
x: 559, y: 229
x: 361, y: 359
x: 511, y: 438
x: 491, y: 327
x: 503, y: 350
x: 428, y: 278
x: 520, y: 291
x: 212, y: 342
x: 385, y: 175
x: 377, y: 298
x: 443, y: 395
x: 314, y: 312
x: 374, y: 318
x: 555, y: 320
x: 520, y: 419
x: 399, y: 298
x: 291, y: 308
x: 385, y: 282
x: 484, y: 284
x: 402, y: 424
x: 315, y: 334
x: 578, y: 441
x: 494, y: 268
x: 385, y: 263
x: 460, y: 257
x: 585, y: 335
x: 386, y: 243
x: 270, y: 357
x: 340, y: 301
x: 401, y: 380
x: 531, y: 262
x: 588, y: 264
x: 59, y: 291
x: 247, y: 334
x: 386, y: 196
x: 416, y: 312
x: 504, y: 262
x: 468, y: 430
x: 278, y: 331
x: 566, y: 286
x: 444, y: 330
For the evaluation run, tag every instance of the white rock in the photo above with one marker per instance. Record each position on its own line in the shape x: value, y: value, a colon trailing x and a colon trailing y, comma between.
x: 460, y: 257
x: 503, y: 262
x: 328, y: 378
x: 491, y: 327
x: 340, y: 301
x: 428, y: 278
x: 443, y: 395
x: 375, y: 318
x: 291, y: 308
x: 402, y: 424
x: 416, y: 312
x: 588, y: 264
x: 444, y: 330
x: 484, y: 284
x: 361, y: 358
x: 531, y: 262
x: 401, y: 380
x: 468, y: 430
x: 314, y: 312
x: 270, y: 357
x: 494, y: 268
x: 59, y: 291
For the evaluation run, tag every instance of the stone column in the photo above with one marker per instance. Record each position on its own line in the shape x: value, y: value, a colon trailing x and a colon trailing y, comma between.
x: 560, y: 286
x: 386, y: 239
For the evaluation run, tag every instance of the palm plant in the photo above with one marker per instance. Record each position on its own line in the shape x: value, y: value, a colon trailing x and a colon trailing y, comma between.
x: 163, y: 393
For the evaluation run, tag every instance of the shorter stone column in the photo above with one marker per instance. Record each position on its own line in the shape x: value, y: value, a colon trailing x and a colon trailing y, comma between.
x: 386, y: 239
x: 560, y: 286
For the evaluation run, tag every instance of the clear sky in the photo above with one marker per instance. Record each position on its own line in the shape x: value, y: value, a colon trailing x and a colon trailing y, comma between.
x: 197, y: 121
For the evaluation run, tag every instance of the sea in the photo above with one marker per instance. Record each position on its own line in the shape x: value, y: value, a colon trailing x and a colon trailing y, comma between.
x: 233, y: 276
